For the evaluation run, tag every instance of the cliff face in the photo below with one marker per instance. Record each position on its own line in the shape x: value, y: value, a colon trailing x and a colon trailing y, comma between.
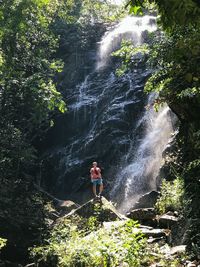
x: 103, y: 111
x: 182, y: 158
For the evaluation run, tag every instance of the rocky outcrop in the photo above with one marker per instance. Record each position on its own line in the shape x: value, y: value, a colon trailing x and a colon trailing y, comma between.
x: 148, y: 200
x: 167, y: 221
x: 106, y: 210
x: 103, y: 111
x: 145, y: 216
x: 142, y: 214
x: 66, y: 206
x: 155, y: 228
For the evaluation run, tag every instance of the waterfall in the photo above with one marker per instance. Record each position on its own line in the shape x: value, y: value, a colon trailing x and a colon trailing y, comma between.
x: 141, y: 165
x: 131, y: 28
x: 107, y: 122
x: 139, y: 176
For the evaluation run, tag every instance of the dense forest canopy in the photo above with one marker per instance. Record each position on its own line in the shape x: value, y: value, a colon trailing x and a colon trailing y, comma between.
x: 172, y: 13
x: 30, y: 99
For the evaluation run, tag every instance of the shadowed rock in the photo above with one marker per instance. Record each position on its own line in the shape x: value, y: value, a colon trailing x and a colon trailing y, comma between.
x: 146, y: 216
x: 66, y: 206
x: 142, y: 214
x: 147, y: 231
x: 105, y: 208
x: 148, y: 200
x: 167, y: 221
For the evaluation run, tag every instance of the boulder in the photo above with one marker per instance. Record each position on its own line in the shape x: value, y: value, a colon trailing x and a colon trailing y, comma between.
x: 142, y: 214
x: 154, y: 233
x: 167, y: 221
x: 193, y: 264
x: 160, y: 240
x: 105, y: 209
x: 148, y: 200
x: 67, y: 206
x: 178, y: 250
x: 147, y: 231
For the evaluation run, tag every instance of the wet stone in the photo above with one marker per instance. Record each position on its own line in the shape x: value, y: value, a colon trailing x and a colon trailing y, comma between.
x: 148, y: 200
x: 167, y: 221
x: 142, y: 214
x: 178, y: 249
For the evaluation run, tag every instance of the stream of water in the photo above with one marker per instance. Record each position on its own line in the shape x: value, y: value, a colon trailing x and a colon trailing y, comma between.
x: 140, y: 167
x: 140, y: 174
x: 107, y: 122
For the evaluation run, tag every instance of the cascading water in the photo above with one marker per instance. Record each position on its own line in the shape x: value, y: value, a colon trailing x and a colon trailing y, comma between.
x: 131, y: 28
x: 107, y: 122
x: 140, y: 175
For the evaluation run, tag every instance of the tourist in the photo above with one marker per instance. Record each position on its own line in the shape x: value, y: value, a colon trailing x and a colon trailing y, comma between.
x: 96, y: 179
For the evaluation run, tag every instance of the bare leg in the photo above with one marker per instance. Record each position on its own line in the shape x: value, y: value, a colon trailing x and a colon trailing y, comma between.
x: 101, y: 188
x: 94, y: 190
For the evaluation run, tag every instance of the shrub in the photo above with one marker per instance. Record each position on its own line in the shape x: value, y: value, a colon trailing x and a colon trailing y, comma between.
x: 2, y: 242
x: 104, y: 247
x: 171, y: 196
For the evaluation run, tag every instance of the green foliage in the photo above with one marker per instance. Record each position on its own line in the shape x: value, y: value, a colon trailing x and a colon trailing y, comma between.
x: 103, y: 247
x: 2, y: 242
x: 128, y: 54
x: 96, y: 11
x: 172, y: 13
x: 28, y: 101
x: 171, y: 198
x: 28, y: 94
x: 175, y: 58
x: 28, y: 67
x: 80, y: 242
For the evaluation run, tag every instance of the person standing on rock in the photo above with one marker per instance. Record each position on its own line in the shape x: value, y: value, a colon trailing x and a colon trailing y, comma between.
x: 96, y: 179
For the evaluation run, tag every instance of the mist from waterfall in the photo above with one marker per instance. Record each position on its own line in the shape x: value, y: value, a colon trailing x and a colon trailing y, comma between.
x: 140, y: 175
x: 140, y: 167
x: 107, y: 122
x: 130, y: 28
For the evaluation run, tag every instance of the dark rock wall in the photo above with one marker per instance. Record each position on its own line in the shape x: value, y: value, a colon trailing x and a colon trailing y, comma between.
x: 102, y: 113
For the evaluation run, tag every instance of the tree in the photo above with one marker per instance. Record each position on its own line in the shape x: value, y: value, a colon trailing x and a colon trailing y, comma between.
x: 28, y: 67
x: 28, y: 101
x: 172, y: 12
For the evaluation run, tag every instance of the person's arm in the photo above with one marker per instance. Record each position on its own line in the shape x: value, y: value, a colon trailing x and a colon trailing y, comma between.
x: 91, y: 176
x: 100, y: 176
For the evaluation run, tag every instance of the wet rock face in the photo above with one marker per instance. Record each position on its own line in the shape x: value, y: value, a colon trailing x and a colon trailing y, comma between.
x: 103, y: 111
x: 106, y: 211
x: 142, y: 214
x: 167, y: 221
x: 99, y: 125
x: 148, y: 200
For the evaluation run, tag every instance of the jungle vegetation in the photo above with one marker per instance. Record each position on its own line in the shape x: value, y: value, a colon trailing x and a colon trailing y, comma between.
x: 30, y: 101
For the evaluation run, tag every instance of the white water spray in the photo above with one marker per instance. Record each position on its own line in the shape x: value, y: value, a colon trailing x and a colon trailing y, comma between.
x: 131, y: 28
x: 140, y: 167
x: 140, y: 175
